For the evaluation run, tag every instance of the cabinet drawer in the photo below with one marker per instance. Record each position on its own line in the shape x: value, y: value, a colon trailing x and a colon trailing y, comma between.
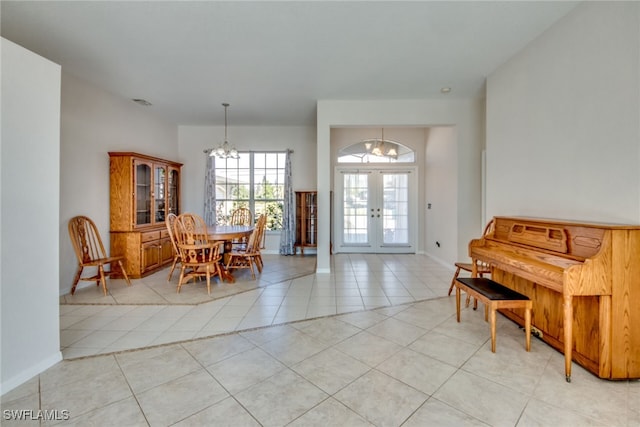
x: 164, y: 234
x: 150, y: 236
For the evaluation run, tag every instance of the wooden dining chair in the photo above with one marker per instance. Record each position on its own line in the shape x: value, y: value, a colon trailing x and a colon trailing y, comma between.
x: 199, y: 257
x: 169, y: 221
x: 90, y: 252
x: 241, y: 216
x: 248, y: 256
x: 481, y: 268
x: 261, y: 225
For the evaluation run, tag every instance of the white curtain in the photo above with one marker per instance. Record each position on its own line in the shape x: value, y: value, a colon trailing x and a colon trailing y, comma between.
x: 210, y: 191
x: 288, y: 235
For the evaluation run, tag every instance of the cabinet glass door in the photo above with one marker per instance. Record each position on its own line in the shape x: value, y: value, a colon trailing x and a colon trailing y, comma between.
x: 172, y: 197
x: 311, y: 218
x: 143, y: 193
x: 159, y: 193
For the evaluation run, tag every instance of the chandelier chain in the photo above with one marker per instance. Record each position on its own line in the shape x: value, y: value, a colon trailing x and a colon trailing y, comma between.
x: 223, y: 151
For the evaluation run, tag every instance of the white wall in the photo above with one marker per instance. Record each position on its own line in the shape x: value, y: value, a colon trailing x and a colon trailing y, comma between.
x: 441, y: 183
x: 95, y: 122
x: 563, y: 121
x: 29, y: 218
x: 464, y: 114
x: 193, y: 140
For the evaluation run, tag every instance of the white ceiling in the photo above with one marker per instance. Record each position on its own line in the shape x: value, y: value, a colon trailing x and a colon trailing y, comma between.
x: 273, y: 60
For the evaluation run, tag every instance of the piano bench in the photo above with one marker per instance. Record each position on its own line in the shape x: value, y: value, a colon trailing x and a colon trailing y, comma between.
x: 495, y: 296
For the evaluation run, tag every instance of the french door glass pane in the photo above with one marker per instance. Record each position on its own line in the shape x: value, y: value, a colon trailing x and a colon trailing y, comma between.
x: 355, y: 202
x: 395, y: 209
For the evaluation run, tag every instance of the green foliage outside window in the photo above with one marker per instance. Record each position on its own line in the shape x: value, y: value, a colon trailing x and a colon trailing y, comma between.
x: 234, y: 192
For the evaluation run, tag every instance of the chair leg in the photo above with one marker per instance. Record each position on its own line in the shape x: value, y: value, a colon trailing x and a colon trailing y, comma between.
x: 173, y: 266
x: 124, y: 273
x: 258, y: 260
x: 76, y: 279
x: 453, y: 281
x: 253, y: 261
x: 253, y: 275
x: 180, y: 279
x: 219, y: 269
x: 102, y: 279
x: 208, y: 279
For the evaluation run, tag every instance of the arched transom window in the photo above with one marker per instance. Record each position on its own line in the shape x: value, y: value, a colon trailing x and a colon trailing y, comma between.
x: 376, y: 151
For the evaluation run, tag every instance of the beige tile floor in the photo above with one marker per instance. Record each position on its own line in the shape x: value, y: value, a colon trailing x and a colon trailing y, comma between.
x: 387, y: 352
x: 150, y: 312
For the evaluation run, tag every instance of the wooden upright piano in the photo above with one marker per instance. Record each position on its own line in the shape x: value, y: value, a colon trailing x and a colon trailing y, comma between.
x: 584, y: 280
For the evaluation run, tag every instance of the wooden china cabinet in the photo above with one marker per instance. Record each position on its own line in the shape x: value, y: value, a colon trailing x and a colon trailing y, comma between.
x: 143, y: 191
x: 306, y: 220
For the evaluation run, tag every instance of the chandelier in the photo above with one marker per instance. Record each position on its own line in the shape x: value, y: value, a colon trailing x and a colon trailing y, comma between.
x: 224, y: 151
x: 381, y: 147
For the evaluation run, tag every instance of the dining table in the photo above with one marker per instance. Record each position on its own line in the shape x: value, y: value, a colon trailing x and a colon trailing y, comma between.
x: 226, y: 234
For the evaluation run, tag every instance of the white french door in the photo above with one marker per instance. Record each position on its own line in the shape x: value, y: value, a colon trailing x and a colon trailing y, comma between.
x: 375, y: 210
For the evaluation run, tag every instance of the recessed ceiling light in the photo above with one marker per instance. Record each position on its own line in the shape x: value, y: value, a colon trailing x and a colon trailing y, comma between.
x: 445, y: 90
x: 142, y: 102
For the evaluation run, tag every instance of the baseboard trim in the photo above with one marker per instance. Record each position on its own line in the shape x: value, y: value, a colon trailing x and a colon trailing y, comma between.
x: 27, y: 374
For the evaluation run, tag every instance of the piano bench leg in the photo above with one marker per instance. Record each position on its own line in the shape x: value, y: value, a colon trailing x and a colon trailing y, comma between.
x: 492, y: 318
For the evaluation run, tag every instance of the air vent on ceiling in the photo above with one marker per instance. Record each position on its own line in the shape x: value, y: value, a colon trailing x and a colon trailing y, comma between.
x: 143, y: 102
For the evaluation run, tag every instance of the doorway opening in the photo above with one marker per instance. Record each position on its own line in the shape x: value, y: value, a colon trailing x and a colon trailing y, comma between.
x: 375, y: 209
